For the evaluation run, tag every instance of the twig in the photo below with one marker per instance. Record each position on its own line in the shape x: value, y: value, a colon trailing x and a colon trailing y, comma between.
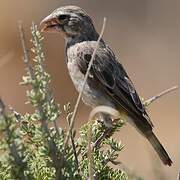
x: 107, y: 133
x: 178, y: 176
x: 73, y: 143
x: 25, y: 51
x: 17, y: 115
x: 84, y: 83
x: 89, y: 151
x: 151, y: 100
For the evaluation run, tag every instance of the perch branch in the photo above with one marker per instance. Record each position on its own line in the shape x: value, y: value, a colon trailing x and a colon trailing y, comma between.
x: 154, y: 98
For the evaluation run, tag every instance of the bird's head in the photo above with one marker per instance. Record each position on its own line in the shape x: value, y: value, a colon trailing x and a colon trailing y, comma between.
x: 71, y: 21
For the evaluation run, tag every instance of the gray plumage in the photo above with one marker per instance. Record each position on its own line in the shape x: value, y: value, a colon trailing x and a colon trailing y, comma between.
x: 108, y: 83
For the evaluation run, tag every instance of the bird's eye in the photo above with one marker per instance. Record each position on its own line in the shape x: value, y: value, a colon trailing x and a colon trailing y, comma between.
x: 63, y: 17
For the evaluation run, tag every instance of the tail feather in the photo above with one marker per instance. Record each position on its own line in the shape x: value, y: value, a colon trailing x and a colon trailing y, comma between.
x: 159, y: 149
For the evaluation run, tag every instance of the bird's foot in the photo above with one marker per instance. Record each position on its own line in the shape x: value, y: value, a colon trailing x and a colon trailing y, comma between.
x: 107, y: 133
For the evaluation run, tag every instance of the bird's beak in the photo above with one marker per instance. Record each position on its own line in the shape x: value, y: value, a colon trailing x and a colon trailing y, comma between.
x: 50, y: 24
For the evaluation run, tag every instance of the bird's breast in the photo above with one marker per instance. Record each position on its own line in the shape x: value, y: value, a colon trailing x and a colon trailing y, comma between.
x: 73, y: 54
x: 74, y: 71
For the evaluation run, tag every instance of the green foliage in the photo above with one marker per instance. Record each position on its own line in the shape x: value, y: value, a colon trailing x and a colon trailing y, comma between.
x: 32, y: 145
x: 102, y: 156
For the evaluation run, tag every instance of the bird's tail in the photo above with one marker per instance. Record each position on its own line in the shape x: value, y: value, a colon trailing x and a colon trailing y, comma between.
x: 159, y: 149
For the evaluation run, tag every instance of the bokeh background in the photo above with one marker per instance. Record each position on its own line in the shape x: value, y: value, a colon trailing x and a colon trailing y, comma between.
x: 145, y: 35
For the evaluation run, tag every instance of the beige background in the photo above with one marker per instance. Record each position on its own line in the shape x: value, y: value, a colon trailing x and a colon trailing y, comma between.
x: 144, y: 33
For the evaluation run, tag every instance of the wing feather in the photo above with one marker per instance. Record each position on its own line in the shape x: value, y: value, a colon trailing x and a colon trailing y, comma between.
x: 111, y: 76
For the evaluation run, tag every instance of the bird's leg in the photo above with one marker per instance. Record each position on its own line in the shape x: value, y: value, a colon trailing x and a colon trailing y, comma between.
x: 107, y: 133
x: 108, y: 123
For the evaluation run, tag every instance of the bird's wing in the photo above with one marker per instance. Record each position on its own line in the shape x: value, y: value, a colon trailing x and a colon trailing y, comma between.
x: 110, y: 75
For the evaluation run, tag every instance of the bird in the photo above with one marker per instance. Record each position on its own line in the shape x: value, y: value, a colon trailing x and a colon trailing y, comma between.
x: 108, y: 83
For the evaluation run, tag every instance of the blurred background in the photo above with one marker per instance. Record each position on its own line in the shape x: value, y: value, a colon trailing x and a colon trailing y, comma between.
x: 144, y: 34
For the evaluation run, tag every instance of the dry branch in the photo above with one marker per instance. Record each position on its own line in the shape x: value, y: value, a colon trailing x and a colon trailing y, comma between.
x: 84, y: 83
x: 25, y: 51
x: 154, y: 98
